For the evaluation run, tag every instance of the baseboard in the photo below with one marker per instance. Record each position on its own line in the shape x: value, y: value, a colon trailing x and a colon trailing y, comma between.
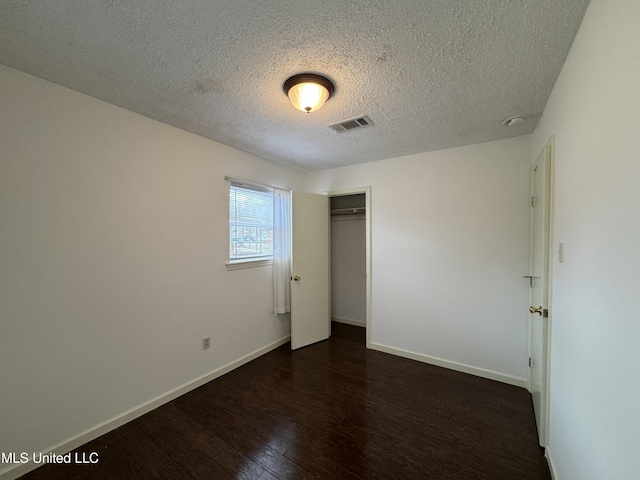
x: 459, y: 367
x: 16, y: 471
x: 552, y: 470
x: 348, y: 321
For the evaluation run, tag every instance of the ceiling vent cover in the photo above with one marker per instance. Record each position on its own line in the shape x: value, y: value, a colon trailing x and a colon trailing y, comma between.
x: 351, y: 124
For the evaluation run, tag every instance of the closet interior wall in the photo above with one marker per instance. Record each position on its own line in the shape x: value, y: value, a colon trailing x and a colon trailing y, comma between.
x: 348, y: 259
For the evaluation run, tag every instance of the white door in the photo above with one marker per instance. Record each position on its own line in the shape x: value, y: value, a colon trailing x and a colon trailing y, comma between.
x: 310, y: 302
x: 540, y: 276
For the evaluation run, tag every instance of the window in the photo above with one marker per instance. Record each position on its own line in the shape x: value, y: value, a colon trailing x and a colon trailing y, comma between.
x: 250, y: 223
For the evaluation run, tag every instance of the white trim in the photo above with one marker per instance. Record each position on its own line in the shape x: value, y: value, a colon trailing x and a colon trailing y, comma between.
x: 240, y: 264
x: 458, y: 367
x: 552, y: 189
x: 71, y: 443
x: 367, y: 221
x: 552, y: 470
x: 348, y: 321
x: 250, y: 184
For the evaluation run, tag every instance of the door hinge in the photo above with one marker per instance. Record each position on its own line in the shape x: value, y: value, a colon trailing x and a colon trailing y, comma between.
x: 530, y: 362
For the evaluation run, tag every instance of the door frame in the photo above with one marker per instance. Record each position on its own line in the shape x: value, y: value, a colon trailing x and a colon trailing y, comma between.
x: 367, y: 219
x: 548, y: 189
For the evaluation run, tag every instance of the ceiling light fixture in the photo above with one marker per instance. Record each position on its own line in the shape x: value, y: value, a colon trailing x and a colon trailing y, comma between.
x: 308, y: 91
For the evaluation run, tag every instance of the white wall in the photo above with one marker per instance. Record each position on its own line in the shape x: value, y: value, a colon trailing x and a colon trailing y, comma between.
x: 113, y: 242
x: 348, y: 268
x: 450, y: 244
x: 594, y: 112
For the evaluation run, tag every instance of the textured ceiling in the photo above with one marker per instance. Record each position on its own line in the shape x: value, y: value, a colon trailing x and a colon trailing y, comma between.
x: 430, y: 74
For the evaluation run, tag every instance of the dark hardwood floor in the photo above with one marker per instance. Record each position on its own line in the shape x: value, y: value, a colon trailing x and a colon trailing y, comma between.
x: 333, y: 410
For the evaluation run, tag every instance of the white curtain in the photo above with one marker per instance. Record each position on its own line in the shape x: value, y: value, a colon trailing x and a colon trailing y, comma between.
x: 281, y: 251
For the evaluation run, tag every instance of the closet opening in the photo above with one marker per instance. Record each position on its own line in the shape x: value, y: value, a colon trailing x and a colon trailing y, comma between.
x: 349, y: 228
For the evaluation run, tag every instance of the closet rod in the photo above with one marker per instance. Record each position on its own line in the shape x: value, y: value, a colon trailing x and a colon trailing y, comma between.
x: 348, y: 211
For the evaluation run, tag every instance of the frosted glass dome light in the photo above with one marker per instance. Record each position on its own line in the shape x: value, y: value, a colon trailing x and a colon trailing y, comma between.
x: 308, y: 91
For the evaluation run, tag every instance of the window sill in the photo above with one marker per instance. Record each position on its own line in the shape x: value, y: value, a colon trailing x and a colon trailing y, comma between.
x: 239, y: 265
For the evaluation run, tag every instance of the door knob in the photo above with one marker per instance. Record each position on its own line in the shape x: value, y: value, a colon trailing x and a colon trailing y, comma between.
x: 536, y: 310
x: 296, y: 278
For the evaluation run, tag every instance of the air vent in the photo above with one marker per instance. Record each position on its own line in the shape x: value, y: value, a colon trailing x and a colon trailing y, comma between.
x: 351, y: 124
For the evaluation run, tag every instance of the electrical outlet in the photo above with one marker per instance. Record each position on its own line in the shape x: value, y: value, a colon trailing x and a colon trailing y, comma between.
x: 206, y: 343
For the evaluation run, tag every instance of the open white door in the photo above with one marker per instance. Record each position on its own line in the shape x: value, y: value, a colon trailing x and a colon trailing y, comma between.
x: 310, y: 302
x: 540, y: 279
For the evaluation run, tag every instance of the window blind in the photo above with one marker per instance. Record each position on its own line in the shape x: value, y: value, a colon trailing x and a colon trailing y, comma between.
x: 250, y: 221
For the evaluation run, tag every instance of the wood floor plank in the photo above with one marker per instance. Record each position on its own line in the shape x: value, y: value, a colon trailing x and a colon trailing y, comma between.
x: 333, y: 411
x: 126, y: 453
x: 199, y: 450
